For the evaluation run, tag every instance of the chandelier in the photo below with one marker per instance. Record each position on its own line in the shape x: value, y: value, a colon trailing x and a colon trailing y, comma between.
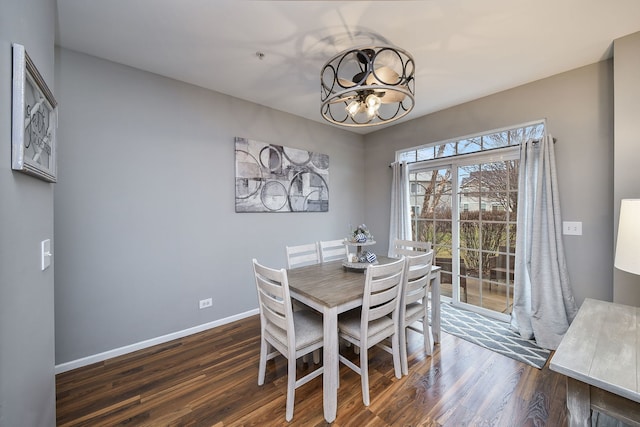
x: 367, y: 86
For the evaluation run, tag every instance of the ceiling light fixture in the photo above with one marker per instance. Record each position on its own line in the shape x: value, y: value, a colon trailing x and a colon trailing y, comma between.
x: 367, y: 86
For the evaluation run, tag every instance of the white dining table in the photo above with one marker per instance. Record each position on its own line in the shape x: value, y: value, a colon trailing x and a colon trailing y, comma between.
x: 332, y: 289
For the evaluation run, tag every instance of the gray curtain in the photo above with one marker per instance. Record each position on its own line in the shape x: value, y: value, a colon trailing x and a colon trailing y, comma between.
x: 400, y: 218
x: 543, y: 303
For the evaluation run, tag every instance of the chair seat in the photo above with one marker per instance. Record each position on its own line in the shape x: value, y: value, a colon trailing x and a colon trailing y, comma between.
x: 307, y: 326
x: 349, y: 324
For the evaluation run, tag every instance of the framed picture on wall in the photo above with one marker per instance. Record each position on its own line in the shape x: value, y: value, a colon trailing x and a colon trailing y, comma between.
x: 275, y: 178
x: 34, y: 120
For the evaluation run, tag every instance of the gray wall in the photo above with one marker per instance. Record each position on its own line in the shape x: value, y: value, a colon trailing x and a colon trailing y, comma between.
x: 27, y: 385
x: 578, y: 107
x: 145, y: 222
x: 626, y: 289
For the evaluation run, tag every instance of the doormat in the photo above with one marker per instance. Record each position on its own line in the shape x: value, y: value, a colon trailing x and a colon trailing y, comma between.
x: 491, y: 334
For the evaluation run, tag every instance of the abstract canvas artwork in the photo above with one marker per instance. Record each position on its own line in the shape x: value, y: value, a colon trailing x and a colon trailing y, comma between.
x: 274, y: 178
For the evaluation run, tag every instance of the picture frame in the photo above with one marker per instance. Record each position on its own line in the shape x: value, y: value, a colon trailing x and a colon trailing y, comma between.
x: 34, y: 120
x: 277, y: 178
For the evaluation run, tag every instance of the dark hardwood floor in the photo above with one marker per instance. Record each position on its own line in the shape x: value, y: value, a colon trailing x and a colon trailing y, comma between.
x: 210, y: 379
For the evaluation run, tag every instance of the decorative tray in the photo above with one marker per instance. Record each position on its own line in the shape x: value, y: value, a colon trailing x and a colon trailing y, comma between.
x: 358, y: 265
x: 367, y: 243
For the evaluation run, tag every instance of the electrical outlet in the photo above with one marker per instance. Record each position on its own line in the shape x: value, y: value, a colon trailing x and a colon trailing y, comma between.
x: 572, y: 228
x: 204, y: 303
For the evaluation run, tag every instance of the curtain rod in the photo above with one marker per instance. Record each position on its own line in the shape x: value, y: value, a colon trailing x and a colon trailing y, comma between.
x: 535, y: 141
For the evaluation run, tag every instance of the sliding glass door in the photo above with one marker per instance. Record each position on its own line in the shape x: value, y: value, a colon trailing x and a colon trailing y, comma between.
x: 467, y: 209
x: 488, y: 194
x: 464, y: 200
x: 431, y: 199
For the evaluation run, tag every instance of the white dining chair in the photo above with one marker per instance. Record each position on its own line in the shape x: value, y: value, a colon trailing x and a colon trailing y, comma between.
x: 332, y: 250
x: 376, y: 320
x: 301, y: 255
x: 410, y: 247
x: 414, y: 305
x: 283, y: 331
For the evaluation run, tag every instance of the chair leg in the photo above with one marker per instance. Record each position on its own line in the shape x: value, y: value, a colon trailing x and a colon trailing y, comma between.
x: 364, y: 375
x: 264, y: 350
x: 403, y: 350
x: 395, y: 344
x: 427, y: 335
x: 291, y: 386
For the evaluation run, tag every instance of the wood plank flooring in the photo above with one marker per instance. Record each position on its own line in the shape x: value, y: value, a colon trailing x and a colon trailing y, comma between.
x: 210, y: 379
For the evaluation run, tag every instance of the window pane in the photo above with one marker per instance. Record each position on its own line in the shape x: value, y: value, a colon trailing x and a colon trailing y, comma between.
x: 407, y: 156
x: 442, y: 251
x: 496, y: 202
x: 495, y: 140
x: 470, y: 260
x: 421, y: 176
x: 445, y: 150
x: 512, y: 235
x: 535, y: 131
x: 435, y: 193
x: 513, y: 171
x: 425, y: 153
x: 443, y: 208
x: 494, y: 177
x: 469, y: 234
x: 424, y: 231
x: 470, y: 145
x: 494, y: 235
x: 513, y: 205
x: 444, y: 181
x: 488, y: 262
x: 444, y: 262
x: 442, y: 233
x: 469, y: 179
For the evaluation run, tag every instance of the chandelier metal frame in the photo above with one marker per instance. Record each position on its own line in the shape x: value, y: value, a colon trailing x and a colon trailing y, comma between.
x: 359, y: 88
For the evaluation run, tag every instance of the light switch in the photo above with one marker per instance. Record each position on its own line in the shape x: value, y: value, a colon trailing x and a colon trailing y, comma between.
x: 46, y: 253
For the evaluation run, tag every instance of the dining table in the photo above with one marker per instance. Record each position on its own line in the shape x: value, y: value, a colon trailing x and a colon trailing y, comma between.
x: 331, y: 289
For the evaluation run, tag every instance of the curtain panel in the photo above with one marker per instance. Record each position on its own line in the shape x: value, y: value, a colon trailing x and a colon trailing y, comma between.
x: 543, y: 302
x: 400, y: 218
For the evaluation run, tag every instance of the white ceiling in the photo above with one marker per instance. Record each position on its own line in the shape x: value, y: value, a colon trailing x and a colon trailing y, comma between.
x: 463, y: 49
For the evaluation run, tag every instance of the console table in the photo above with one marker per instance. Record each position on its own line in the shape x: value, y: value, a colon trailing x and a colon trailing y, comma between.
x: 599, y: 356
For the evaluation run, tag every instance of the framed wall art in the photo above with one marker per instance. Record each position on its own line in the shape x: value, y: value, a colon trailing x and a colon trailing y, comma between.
x: 34, y: 120
x: 274, y: 178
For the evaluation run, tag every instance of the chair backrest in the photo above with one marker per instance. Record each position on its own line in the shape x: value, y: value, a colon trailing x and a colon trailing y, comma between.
x: 274, y: 300
x: 332, y: 250
x: 382, y: 292
x: 417, y: 273
x: 410, y: 247
x: 301, y: 255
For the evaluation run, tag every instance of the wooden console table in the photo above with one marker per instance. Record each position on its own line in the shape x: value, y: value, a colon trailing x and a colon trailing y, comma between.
x: 599, y: 356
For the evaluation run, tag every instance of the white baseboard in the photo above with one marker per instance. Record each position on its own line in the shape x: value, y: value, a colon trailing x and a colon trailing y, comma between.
x: 67, y: 366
